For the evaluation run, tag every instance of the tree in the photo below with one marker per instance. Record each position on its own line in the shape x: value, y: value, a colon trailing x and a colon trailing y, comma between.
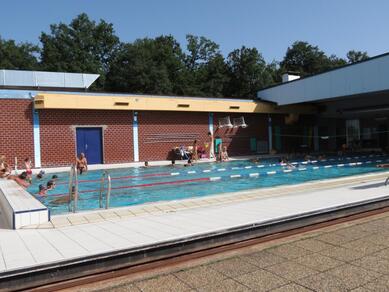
x: 206, y: 68
x: 151, y: 66
x: 305, y: 59
x: 18, y: 56
x: 248, y: 73
x: 81, y: 46
x: 356, y: 56
x: 334, y: 61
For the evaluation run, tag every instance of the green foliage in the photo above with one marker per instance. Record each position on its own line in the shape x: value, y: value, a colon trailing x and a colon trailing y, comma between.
x: 18, y: 56
x: 304, y: 59
x: 81, y: 46
x: 356, y: 56
x: 248, y: 72
x: 153, y: 66
x: 206, y: 68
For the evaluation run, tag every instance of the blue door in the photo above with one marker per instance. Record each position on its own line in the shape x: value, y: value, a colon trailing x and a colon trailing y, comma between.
x: 89, y: 141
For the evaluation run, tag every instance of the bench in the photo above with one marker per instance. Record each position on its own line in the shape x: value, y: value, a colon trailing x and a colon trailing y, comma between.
x: 19, y: 208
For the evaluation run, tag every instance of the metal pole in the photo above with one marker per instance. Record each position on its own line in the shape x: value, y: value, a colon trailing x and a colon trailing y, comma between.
x: 16, y: 165
x: 108, y: 191
x: 70, y: 186
x: 101, y: 190
x: 75, y: 201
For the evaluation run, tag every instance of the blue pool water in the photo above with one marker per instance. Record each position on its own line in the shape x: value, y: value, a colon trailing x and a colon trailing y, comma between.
x: 132, y: 186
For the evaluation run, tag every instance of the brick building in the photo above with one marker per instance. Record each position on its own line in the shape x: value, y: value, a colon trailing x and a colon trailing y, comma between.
x: 50, y: 118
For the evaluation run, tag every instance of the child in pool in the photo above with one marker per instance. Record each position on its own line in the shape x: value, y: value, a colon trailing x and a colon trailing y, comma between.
x: 50, y: 185
x: 42, y: 190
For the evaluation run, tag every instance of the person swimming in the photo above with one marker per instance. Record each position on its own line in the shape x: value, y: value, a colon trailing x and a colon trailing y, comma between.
x: 42, y: 190
x: 50, y: 185
x: 41, y: 174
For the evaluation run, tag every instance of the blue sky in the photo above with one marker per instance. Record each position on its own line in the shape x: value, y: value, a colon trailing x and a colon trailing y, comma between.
x: 336, y: 26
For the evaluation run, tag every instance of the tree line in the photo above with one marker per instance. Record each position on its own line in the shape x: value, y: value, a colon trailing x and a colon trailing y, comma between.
x: 161, y: 65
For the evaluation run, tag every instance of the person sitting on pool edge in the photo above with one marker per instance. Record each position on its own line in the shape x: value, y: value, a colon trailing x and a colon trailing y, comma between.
x: 28, y: 166
x: 81, y: 163
x: 173, y: 164
x: 4, y: 168
x: 224, y: 154
x: 20, y: 179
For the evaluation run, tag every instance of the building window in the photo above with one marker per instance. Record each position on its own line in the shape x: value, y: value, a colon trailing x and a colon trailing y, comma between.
x: 353, y: 134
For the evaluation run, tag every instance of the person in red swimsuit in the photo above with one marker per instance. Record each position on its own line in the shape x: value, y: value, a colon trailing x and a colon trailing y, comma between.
x: 28, y: 167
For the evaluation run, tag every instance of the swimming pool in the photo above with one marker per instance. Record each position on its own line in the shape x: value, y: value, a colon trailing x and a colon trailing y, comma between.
x: 133, y: 186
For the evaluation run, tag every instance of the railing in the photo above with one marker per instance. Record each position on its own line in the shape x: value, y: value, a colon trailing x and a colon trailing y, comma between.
x: 105, y: 176
x: 73, y: 189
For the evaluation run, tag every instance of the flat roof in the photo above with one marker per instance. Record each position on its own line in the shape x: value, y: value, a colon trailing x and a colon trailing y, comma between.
x: 44, y: 79
x: 367, y: 76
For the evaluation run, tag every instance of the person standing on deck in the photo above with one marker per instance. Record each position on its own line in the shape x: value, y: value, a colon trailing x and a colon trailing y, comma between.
x: 211, y: 150
x: 81, y: 163
x: 195, y: 155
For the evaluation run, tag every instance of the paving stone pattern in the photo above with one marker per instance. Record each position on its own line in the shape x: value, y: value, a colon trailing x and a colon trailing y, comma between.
x: 348, y: 257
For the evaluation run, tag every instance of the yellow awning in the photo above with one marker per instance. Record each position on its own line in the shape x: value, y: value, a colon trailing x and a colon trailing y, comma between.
x: 161, y: 103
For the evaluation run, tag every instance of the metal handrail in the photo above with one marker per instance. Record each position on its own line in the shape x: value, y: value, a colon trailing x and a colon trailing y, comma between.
x: 105, y: 176
x: 73, y: 189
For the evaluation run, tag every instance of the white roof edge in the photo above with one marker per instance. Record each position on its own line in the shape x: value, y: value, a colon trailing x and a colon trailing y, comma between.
x: 365, y: 77
x: 36, y: 79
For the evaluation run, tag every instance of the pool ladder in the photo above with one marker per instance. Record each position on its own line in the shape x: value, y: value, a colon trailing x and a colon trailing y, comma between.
x: 73, y: 189
x: 105, y: 177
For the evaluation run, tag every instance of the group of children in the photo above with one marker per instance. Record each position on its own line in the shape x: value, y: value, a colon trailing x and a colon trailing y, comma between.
x: 24, y: 179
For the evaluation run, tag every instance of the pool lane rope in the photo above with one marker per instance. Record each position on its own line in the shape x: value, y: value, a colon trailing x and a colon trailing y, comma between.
x: 294, y: 163
x: 217, y: 178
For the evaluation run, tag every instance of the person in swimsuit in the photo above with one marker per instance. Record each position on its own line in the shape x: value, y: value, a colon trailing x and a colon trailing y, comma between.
x: 81, y: 163
x: 195, y: 155
x: 211, y: 151
x: 21, y: 179
x: 40, y: 174
x: 224, y: 154
x: 42, y: 190
x: 28, y: 167
x: 50, y: 185
x: 5, y: 171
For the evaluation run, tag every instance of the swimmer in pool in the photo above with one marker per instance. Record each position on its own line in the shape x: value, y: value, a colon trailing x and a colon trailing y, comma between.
x: 42, y: 190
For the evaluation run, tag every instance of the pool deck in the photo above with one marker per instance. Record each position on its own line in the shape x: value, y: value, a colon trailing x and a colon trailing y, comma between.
x: 151, y: 163
x: 91, y: 233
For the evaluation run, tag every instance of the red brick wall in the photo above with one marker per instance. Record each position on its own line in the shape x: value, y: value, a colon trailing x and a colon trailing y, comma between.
x: 237, y: 140
x: 159, y: 132
x: 58, y: 145
x: 16, y: 130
